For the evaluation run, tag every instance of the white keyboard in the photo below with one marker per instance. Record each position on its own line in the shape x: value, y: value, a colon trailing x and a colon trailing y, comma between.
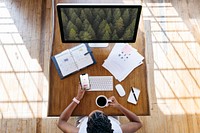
x: 101, y: 83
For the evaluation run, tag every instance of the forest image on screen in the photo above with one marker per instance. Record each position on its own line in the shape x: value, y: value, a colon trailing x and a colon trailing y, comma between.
x: 98, y: 23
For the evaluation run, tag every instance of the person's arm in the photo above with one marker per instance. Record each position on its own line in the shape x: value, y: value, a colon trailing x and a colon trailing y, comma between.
x: 62, y: 122
x: 134, y: 123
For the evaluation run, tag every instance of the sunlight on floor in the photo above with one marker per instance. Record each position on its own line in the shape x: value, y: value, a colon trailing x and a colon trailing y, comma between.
x: 20, y: 74
x: 176, y: 60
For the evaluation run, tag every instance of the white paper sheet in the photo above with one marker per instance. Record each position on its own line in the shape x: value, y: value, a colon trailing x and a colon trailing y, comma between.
x: 122, y: 60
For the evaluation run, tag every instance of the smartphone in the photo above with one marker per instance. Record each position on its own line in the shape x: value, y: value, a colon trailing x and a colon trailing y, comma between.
x: 85, y: 82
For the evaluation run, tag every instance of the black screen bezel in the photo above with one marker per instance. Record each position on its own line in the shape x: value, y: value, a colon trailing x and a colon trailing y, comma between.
x: 60, y: 6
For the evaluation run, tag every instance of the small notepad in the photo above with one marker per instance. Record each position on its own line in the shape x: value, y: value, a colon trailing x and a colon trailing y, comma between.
x: 131, y: 97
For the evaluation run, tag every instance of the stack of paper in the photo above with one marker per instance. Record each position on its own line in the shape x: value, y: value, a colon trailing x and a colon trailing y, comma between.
x: 122, y: 60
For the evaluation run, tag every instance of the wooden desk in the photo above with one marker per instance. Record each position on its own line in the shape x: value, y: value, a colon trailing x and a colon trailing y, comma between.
x: 62, y: 92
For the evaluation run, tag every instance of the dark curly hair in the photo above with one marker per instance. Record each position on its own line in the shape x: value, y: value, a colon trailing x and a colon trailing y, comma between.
x: 99, y: 123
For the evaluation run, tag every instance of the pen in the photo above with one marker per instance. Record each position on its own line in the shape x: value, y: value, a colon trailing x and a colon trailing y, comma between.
x: 133, y: 94
x: 87, y: 53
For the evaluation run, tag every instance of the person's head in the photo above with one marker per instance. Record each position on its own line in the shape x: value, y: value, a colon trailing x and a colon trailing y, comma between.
x: 98, y: 122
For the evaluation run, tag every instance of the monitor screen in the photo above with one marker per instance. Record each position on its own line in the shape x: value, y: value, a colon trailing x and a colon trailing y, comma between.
x: 98, y: 23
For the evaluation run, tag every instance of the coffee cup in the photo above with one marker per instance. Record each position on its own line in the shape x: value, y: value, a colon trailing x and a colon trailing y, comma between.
x: 102, y: 101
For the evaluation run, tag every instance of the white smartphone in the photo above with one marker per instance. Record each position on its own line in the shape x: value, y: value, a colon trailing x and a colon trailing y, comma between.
x: 85, y: 83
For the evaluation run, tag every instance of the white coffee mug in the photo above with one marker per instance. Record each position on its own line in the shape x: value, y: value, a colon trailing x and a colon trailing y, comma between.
x: 102, y: 101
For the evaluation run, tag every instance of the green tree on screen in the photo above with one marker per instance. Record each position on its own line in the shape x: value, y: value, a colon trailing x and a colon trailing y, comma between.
x: 86, y: 25
x: 126, y: 17
x: 78, y: 23
x: 96, y: 23
x: 91, y: 31
x: 86, y: 36
x: 95, y: 11
x: 119, y: 26
x: 72, y: 34
x: 77, y: 11
x: 70, y: 12
x: 114, y: 35
x: 109, y: 16
x: 116, y: 15
x: 73, y: 17
x: 70, y: 26
x: 128, y: 35
x: 83, y: 16
x: 102, y: 14
x: 107, y: 29
x: 132, y: 26
x: 64, y: 21
x: 106, y: 36
x: 88, y: 14
x: 101, y: 27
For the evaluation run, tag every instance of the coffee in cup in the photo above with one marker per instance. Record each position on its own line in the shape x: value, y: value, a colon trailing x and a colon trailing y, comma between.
x: 102, y: 101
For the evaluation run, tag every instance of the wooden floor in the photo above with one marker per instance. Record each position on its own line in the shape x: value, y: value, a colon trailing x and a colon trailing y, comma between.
x: 173, y: 42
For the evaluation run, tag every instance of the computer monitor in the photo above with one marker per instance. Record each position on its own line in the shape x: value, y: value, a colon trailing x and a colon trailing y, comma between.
x: 98, y: 23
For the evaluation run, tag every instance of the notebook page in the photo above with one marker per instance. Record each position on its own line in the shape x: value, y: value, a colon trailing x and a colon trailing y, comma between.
x: 65, y: 62
x: 81, y: 58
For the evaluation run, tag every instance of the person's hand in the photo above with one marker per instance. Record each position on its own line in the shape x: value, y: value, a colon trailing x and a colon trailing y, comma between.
x: 80, y: 93
x: 114, y: 102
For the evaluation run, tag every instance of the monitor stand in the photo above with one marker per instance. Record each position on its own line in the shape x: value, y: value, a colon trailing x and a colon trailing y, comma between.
x: 98, y: 45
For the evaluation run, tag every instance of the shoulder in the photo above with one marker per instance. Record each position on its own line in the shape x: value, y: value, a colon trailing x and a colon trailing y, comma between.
x: 83, y: 125
x: 115, y: 124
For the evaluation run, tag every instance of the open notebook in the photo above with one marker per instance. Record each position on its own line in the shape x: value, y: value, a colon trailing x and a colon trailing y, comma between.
x: 72, y: 60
